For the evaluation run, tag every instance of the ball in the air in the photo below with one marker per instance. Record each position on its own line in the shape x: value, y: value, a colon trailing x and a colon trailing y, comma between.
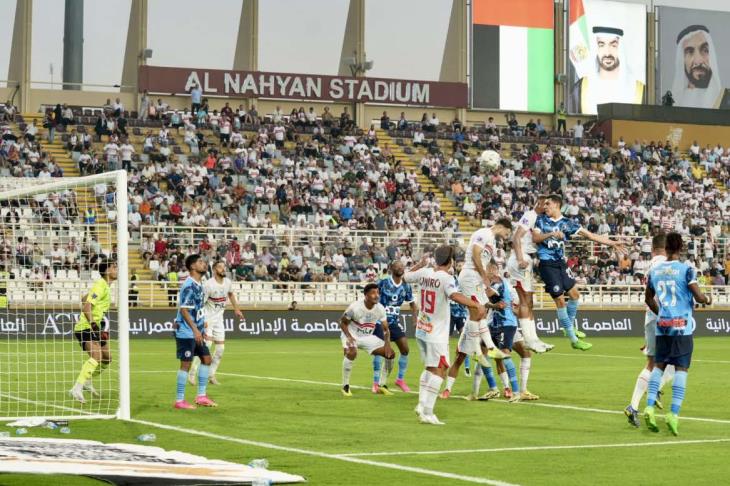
x: 491, y: 159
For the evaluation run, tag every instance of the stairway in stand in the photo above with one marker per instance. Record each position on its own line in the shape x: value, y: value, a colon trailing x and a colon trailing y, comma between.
x: 156, y: 296
x: 448, y: 207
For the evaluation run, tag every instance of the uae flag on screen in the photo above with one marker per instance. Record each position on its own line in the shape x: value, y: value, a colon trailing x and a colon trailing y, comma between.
x: 512, y: 54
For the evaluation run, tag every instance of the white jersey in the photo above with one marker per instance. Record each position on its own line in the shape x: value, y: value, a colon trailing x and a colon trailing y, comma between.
x: 655, y: 260
x: 527, y: 221
x: 215, y: 298
x: 484, y: 239
x: 434, y: 316
x: 363, y: 320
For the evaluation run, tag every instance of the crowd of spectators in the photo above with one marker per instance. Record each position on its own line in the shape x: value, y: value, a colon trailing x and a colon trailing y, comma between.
x: 633, y: 189
x: 317, y: 172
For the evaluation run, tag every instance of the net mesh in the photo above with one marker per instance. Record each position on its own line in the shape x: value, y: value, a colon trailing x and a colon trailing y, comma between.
x: 50, y: 241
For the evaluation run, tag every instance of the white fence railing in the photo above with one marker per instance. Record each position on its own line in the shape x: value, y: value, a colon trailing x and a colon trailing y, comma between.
x: 418, y: 241
x: 29, y: 293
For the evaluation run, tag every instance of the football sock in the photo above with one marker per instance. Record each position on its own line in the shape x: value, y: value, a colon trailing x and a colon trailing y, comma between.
x: 476, y: 381
x: 422, y: 384
x: 572, y: 307
x: 654, y: 381
x: 182, y: 378
x: 491, y: 380
x: 100, y: 369
x: 433, y: 385
x: 524, y: 372
x: 217, y: 357
x: 505, y: 379
x: 642, y: 383
x: 527, y: 326
x: 377, y: 365
x: 203, y: 372
x: 566, y: 323
x: 346, y: 370
x: 467, y: 362
x: 667, y: 376
x: 385, y: 372
x: 678, y: 388
x: 402, y: 366
x: 87, y: 370
x: 512, y: 373
x: 450, y: 380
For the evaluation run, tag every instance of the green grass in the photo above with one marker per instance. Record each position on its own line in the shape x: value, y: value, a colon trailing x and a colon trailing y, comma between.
x: 315, y: 417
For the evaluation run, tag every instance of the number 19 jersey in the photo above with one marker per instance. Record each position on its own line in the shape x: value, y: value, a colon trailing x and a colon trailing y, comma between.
x: 434, y: 316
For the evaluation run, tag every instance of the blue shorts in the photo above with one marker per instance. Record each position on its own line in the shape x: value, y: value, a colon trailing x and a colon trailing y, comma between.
x: 674, y: 350
x: 396, y: 331
x: 555, y: 277
x: 457, y: 323
x: 188, y: 348
x: 503, y: 336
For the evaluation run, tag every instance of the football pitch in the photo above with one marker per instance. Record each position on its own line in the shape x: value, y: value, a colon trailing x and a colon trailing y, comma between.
x: 280, y: 400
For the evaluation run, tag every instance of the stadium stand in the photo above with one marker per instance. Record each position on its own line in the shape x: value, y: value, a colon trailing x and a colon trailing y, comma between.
x: 308, y: 199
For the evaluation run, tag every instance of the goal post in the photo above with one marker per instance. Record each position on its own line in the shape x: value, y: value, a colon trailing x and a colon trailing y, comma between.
x: 52, y: 231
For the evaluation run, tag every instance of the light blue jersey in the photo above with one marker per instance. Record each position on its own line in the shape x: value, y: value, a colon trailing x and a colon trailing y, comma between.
x: 393, y: 296
x: 190, y: 298
x: 670, y: 282
x: 505, y: 317
x: 553, y: 249
x: 458, y: 311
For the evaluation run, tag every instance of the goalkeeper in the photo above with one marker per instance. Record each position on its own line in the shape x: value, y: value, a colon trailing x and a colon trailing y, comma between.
x: 90, y: 329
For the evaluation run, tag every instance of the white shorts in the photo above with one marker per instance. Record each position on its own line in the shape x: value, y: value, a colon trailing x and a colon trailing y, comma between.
x: 472, y: 285
x: 470, y: 337
x: 650, y: 320
x: 520, y: 277
x: 216, y: 330
x: 433, y: 355
x: 368, y: 342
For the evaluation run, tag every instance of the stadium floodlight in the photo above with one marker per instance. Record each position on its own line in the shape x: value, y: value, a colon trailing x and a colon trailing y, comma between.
x: 358, y: 68
x: 59, y: 231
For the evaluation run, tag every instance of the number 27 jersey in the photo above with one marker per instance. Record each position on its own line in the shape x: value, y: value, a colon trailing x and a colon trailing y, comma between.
x: 670, y: 282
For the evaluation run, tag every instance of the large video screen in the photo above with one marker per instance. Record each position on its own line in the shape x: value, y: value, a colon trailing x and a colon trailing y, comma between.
x: 694, y: 59
x: 607, y: 51
x: 513, y: 55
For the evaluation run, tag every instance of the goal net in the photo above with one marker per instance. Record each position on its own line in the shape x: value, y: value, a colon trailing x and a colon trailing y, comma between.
x: 54, y: 234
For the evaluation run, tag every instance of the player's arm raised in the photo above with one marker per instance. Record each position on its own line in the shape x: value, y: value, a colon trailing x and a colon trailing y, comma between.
x: 462, y: 299
x: 604, y: 240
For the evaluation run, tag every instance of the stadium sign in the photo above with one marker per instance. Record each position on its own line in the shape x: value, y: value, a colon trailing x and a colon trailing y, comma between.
x: 311, y: 324
x: 126, y: 463
x: 246, y: 84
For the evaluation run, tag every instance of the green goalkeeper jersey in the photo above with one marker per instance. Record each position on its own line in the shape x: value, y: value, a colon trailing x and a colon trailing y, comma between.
x: 100, y: 299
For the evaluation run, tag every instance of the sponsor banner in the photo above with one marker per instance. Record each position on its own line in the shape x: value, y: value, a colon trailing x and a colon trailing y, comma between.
x: 694, y: 58
x: 512, y: 55
x: 607, y: 51
x: 246, y: 84
x: 306, y: 324
x: 126, y: 463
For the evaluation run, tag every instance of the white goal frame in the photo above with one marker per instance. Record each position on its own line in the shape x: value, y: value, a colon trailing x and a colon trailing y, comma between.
x: 30, y: 187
